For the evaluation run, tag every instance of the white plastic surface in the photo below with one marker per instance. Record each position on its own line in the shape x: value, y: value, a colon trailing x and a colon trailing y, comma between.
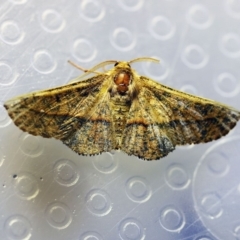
x: 49, y: 192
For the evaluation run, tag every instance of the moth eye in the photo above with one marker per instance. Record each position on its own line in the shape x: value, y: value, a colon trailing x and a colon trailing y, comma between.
x: 116, y: 64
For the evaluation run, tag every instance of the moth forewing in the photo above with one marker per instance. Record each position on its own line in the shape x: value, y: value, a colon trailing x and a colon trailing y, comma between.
x: 163, y: 88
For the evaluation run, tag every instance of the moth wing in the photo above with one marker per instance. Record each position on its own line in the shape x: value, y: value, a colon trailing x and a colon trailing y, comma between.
x: 169, y: 117
x: 142, y: 136
x: 78, y: 114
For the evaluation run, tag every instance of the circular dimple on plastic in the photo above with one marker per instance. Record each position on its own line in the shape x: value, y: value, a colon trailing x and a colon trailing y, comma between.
x: 233, y: 8
x: 194, y: 57
x: 10, y: 32
x: 92, y: 10
x: 236, y: 232
x: 43, y: 62
x: 199, y: 17
x: 215, y: 187
x: 6, y: 74
x: 52, y: 21
x: 18, y: 227
x: 131, y: 5
x: 211, y: 205
x: 2, y: 158
x: 230, y: 45
x: 66, y: 172
x: 171, y: 219
x: 31, y: 145
x: 105, y: 163
x: 227, y: 85
x: 83, y: 50
x: 98, y: 202
x: 156, y: 71
x: 161, y: 28
x: 131, y: 229
x: 91, y: 236
x: 138, y: 189
x: 218, y: 163
x: 58, y: 215
x: 176, y: 177
x: 123, y: 39
x: 26, y: 185
x: 4, y: 119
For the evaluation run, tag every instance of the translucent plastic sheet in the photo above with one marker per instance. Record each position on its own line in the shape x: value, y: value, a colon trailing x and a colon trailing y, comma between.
x: 49, y: 192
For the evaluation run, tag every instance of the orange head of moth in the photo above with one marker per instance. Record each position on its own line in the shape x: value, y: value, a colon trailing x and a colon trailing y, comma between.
x: 123, y: 77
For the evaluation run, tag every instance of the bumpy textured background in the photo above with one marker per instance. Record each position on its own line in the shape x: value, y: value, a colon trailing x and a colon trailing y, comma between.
x: 49, y: 192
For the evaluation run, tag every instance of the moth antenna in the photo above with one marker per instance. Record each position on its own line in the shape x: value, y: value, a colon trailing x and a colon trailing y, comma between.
x: 91, y: 70
x: 141, y: 59
x: 81, y: 68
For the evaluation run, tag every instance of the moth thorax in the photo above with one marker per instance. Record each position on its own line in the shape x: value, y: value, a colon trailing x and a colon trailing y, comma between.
x: 122, y: 80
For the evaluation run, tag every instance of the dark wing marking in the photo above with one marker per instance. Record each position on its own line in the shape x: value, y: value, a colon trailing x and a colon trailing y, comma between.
x: 93, y: 134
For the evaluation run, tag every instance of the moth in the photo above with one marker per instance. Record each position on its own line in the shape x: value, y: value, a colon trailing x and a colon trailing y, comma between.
x: 119, y: 109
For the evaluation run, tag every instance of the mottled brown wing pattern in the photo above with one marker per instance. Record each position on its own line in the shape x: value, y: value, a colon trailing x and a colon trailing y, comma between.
x: 64, y: 113
x: 142, y: 136
x: 94, y: 134
x: 119, y: 109
x: 184, y: 118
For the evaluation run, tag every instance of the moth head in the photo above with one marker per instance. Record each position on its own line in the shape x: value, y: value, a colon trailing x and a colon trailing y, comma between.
x: 122, y: 77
